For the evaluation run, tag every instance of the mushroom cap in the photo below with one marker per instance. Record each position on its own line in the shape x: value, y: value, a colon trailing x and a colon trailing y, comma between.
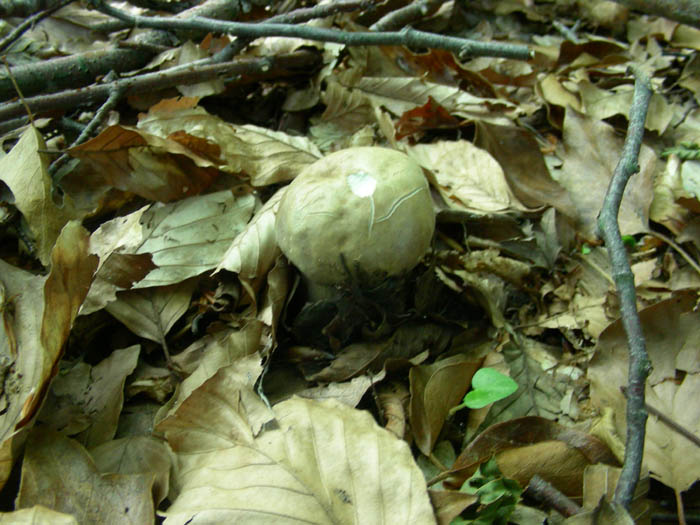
x: 370, y: 206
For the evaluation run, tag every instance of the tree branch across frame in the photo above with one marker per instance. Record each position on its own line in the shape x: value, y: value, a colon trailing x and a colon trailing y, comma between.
x: 462, y: 47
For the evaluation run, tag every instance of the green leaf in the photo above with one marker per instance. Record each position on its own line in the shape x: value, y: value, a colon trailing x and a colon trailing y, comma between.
x: 497, y: 496
x: 629, y: 241
x: 488, y: 386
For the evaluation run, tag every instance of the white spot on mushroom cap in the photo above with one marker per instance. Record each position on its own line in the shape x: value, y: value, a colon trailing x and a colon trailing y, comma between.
x: 362, y: 184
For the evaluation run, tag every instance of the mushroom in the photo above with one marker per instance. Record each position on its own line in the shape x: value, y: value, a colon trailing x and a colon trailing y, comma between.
x: 360, y: 214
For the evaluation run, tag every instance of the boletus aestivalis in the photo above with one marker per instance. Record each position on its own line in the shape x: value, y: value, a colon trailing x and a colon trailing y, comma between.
x: 360, y: 214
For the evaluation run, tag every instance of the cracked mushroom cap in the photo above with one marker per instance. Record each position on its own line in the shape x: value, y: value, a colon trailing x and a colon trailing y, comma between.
x: 370, y: 206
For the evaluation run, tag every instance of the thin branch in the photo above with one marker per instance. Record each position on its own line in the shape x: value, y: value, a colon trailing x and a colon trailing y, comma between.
x: 683, y: 11
x: 100, y: 116
x: 544, y: 492
x: 406, y: 15
x: 693, y: 264
x: 82, y: 69
x: 297, y: 16
x: 462, y: 47
x: 670, y: 423
x: 29, y: 22
x: 244, y: 69
x: 639, y: 364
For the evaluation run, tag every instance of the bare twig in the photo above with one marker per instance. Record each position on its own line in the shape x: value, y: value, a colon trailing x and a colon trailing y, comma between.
x: 462, y: 47
x: 82, y: 69
x: 254, y: 68
x: 113, y: 99
x: 692, y: 262
x: 404, y: 16
x: 639, y: 365
x: 673, y: 425
x: 29, y: 22
x: 544, y: 492
x: 684, y: 11
x: 294, y: 17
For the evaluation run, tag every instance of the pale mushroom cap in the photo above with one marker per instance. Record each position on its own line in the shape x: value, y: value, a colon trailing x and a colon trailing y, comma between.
x: 372, y: 205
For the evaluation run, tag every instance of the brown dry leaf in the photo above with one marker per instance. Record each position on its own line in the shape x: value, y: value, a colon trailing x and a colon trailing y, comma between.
x: 408, y: 342
x: 668, y: 191
x: 264, y: 155
x: 532, y: 445
x: 347, y: 111
x: 667, y: 326
x: 180, y: 240
x: 600, y: 481
x: 85, y: 401
x: 592, y: 150
x: 136, y: 455
x: 24, y: 170
x: 606, y: 513
x: 276, y: 292
x: 671, y: 457
x: 435, y: 389
x: 322, y: 462
x: 449, y: 504
x: 402, y: 94
x: 58, y: 473
x: 37, y: 515
x: 158, y: 169
x: 253, y: 252
x: 239, y: 348
x: 518, y: 153
x: 44, y: 311
x: 152, y: 312
x: 467, y: 177
x: 600, y: 104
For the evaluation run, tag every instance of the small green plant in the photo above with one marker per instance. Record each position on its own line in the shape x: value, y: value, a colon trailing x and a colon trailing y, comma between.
x: 497, y: 495
x: 629, y: 241
x: 685, y: 151
x: 488, y: 386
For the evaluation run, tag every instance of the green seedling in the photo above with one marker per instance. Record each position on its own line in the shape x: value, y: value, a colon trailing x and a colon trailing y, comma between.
x: 497, y: 495
x: 488, y: 386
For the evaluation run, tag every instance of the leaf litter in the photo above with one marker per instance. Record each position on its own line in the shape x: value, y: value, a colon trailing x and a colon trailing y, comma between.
x: 161, y: 360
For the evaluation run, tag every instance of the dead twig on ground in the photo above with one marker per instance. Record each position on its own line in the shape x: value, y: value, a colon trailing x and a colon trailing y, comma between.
x: 254, y: 69
x: 639, y: 365
x: 462, y: 47
x: 683, y: 11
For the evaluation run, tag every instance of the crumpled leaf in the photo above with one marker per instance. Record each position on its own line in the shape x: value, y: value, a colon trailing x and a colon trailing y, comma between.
x: 592, y: 152
x: 85, y: 401
x: 24, y: 170
x: 252, y: 253
x: 178, y: 240
x: 467, y: 177
x: 136, y: 455
x: 44, y: 310
x: 158, y: 169
x: 323, y: 462
x: 435, y: 389
x: 264, y: 155
x: 37, y: 515
x: 152, y: 312
x: 58, y: 473
x: 670, y: 457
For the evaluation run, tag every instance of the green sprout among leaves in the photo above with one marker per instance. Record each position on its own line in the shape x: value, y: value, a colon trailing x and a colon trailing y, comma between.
x: 685, y: 151
x: 488, y: 386
x: 497, y: 495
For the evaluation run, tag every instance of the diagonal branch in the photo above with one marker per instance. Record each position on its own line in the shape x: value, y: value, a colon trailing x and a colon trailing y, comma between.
x: 639, y: 364
x: 462, y: 47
